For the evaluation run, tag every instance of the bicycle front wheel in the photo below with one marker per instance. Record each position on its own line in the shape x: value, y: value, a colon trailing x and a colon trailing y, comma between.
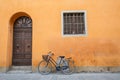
x: 44, y: 67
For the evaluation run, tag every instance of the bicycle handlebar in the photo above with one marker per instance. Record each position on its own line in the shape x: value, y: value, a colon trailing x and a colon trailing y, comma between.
x: 69, y: 58
x: 50, y: 53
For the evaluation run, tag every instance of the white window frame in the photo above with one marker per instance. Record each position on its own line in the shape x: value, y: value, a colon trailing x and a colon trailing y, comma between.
x: 74, y: 11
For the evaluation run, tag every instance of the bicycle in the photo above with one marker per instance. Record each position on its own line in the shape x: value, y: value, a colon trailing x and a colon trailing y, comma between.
x: 66, y: 65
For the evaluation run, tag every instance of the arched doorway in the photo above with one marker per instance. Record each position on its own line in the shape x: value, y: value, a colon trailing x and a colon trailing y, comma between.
x: 22, y: 41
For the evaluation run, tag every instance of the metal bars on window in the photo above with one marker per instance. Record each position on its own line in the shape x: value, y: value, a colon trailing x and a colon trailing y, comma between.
x: 73, y: 23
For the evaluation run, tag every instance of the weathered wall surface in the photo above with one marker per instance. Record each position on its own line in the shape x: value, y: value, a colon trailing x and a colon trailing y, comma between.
x: 101, y: 46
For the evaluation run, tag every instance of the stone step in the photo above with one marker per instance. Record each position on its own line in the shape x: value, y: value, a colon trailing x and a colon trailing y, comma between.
x: 18, y: 72
x: 20, y: 69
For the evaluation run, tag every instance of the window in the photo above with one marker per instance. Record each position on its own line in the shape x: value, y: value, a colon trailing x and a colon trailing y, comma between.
x: 74, y: 23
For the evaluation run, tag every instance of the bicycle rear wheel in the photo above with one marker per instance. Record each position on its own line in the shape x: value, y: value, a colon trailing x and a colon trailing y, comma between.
x: 69, y: 67
x: 44, y: 67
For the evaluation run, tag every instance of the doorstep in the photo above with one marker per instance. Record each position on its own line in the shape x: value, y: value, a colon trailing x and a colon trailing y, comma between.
x: 20, y: 69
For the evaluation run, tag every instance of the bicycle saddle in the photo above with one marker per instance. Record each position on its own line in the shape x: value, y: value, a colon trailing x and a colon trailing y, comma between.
x: 61, y: 56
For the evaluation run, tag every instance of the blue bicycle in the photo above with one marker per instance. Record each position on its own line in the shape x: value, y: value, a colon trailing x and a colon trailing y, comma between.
x: 66, y: 65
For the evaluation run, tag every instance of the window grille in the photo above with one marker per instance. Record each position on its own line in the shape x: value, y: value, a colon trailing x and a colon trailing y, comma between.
x: 74, y: 23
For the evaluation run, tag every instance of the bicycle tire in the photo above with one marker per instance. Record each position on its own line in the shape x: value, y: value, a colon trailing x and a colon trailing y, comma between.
x: 44, y: 67
x: 70, y: 69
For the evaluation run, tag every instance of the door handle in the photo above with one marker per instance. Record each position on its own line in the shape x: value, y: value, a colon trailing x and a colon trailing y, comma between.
x: 17, y: 47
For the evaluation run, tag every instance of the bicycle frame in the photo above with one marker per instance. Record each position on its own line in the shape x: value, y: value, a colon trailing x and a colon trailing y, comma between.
x: 51, y: 60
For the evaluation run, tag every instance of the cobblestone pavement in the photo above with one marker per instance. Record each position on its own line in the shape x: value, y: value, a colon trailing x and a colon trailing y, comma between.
x: 76, y: 76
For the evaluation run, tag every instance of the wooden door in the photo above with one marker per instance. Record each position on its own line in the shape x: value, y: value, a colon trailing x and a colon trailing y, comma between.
x: 22, y: 42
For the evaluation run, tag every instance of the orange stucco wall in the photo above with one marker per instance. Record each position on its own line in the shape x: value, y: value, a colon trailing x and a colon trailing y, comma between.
x: 101, y: 46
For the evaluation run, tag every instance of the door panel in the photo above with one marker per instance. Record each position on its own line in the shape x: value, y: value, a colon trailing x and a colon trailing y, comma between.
x: 22, y: 42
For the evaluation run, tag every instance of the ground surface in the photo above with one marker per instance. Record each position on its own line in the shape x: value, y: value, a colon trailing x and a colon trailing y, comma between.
x: 76, y: 76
